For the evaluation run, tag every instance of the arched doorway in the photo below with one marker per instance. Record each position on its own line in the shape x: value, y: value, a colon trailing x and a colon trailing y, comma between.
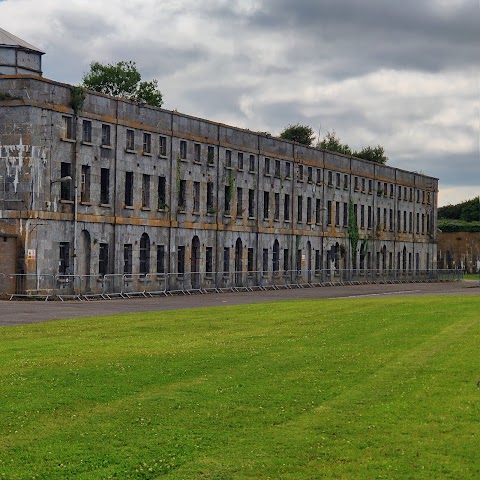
x: 195, y: 262
x: 144, y: 254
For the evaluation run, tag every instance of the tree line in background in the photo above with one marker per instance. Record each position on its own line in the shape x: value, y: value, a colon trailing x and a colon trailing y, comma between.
x: 304, y: 135
x: 462, y: 217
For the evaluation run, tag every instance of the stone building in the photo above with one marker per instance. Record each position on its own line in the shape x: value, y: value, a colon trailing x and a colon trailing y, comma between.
x: 108, y: 186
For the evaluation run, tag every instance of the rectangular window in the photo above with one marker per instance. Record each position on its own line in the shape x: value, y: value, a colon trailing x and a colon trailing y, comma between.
x: 309, y: 210
x: 379, y: 218
x: 267, y: 166
x: 106, y: 140
x: 147, y: 143
x: 355, y: 183
x: 345, y: 214
x: 423, y: 224
x: 240, y: 161
x: 181, y: 259
x: 160, y: 258
x: 210, y: 205
x: 286, y: 208
x: 103, y: 259
x: 197, y: 150
x: 162, y: 193
x: 250, y: 260
x: 266, y: 199
x: 318, y: 261
x: 319, y: 176
x: 362, y: 216
x: 87, y: 131
x: 369, y: 217
x: 299, y: 208
x: 162, y: 146
x: 370, y: 186
x: 363, y: 185
x: 300, y: 173
x: 277, y: 168
x: 309, y: 174
x: 330, y: 179
x: 337, y: 184
x: 399, y: 220
x: 130, y: 140
x: 228, y: 198
x: 391, y: 220
x: 196, y: 197
x: 182, y: 195
x: 127, y: 259
x: 146, y: 191
x: 226, y: 259
x: 105, y: 186
x: 410, y: 196
x: 251, y: 163
x: 239, y: 202
x: 418, y: 223
x: 64, y: 259
x: 286, y: 260
x: 265, y: 260
x: 251, y: 203
x: 210, y: 155
x: 85, y: 184
x: 209, y: 260
x: 228, y: 158
x: 65, y: 185
x: 329, y: 212
x: 183, y: 149
x: 404, y: 222
x: 277, y: 207
x: 345, y: 182
x: 288, y: 170
x: 67, y: 128
x: 410, y: 222
x: 399, y: 192
x: 318, y: 210
x: 391, y: 191
x: 128, y: 189
x: 384, y: 219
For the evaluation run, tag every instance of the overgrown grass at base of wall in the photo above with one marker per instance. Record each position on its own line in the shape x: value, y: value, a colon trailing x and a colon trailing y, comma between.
x: 352, y: 388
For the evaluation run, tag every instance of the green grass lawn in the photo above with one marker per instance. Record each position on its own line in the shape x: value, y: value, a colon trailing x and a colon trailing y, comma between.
x: 351, y: 389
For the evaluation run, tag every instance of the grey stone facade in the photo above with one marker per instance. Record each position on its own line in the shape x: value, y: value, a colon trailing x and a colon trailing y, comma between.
x: 146, y: 190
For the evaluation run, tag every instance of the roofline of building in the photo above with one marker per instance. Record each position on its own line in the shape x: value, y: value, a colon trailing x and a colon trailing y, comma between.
x: 212, y: 122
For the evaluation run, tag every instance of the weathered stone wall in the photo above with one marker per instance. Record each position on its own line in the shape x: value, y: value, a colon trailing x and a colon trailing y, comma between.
x: 308, y: 191
x: 459, y: 250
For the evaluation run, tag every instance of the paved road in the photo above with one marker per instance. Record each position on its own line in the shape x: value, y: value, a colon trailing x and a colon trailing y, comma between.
x: 23, y: 312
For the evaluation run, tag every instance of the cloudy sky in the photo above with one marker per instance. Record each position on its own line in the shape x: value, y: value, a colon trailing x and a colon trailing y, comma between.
x: 404, y: 75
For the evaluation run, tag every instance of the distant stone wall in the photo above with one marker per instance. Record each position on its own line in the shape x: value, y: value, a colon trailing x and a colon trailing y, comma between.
x: 459, y: 250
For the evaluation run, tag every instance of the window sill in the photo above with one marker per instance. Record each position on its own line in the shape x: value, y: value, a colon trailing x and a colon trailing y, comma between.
x: 197, y: 162
x: 251, y: 171
x: 162, y: 156
x: 128, y: 207
x: 106, y: 205
x: 252, y: 218
x: 87, y: 144
x: 239, y: 169
x: 66, y: 201
x: 106, y: 147
x: 87, y: 204
x: 147, y: 154
x: 145, y: 209
x: 130, y: 150
x: 68, y: 140
x: 267, y: 174
x: 228, y: 167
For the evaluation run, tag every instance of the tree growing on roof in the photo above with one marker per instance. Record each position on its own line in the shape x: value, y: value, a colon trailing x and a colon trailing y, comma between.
x: 122, y: 80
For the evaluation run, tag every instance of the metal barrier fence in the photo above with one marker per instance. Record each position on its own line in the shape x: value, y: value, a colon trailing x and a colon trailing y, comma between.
x: 87, y: 287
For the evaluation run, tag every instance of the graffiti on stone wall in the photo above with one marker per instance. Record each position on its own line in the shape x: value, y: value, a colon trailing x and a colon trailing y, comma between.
x: 21, y: 163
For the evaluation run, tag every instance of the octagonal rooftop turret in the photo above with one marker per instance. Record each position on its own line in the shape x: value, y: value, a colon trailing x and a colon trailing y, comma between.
x: 18, y: 56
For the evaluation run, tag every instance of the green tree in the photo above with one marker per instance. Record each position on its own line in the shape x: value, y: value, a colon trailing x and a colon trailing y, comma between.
x: 373, y: 154
x: 122, y: 80
x: 298, y: 133
x: 333, y: 144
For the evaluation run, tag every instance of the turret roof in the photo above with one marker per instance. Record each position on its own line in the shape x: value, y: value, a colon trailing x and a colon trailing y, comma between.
x: 9, y: 40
